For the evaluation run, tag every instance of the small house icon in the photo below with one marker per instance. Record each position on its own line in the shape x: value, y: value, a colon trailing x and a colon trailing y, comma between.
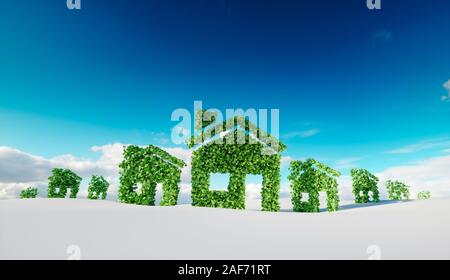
x: 308, y: 178
x: 149, y: 166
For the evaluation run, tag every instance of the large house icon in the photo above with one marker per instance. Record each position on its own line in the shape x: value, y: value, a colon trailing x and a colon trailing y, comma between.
x: 239, y: 148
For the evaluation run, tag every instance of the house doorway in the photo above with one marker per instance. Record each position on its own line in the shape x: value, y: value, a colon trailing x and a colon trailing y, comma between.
x: 371, y: 198
x: 158, y: 194
x: 138, y: 188
x: 253, y: 186
x: 323, y: 201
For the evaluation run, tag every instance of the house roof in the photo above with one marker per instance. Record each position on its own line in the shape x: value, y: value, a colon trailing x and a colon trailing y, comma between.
x: 210, y: 134
x: 364, y: 172
x: 165, y: 156
x: 318, y: 166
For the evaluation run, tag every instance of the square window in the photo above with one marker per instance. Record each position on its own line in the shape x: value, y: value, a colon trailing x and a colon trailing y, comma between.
x: 219, y: 181
x: 138, y: 188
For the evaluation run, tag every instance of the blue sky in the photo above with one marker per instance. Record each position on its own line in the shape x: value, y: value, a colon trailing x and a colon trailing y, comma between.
x: 351, y: 84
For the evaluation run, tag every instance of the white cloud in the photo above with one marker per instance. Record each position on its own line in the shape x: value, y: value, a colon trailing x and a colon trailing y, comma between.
x: 422, y: 145
x: 286, y: 160
x: 12, y: 190
x: 20, y: 167
x: 17, y: 166
x: 19, y: 170
x: 347, y: 163
x: 112, y: 155
x: 431, y: 174
x: 301, y: 134
x: 446, y: 85
x: 345, y: 188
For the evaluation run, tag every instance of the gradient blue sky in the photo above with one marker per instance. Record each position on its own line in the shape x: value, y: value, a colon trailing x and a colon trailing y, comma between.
x: 366, y: 81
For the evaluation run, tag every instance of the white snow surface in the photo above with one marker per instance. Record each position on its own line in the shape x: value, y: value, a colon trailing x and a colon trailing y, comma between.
x: 47, y: 228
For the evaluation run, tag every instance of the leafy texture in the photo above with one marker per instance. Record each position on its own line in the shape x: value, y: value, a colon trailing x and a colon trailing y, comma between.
x: 204, y: 118
x: 239, y: 152
x: 62, y: 180
x: 237, y: 130
x: 312, y: 177
x: 148, y: 167
x: 364, y: 184
x: 98, y: 188
x: 424, y: 195
x: 29, y: 193
x: 397, y: 190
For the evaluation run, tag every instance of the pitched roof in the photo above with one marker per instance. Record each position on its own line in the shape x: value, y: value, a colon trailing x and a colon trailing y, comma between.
x: 210, y: 134
x: 165, y: 156
x: 318, y: 166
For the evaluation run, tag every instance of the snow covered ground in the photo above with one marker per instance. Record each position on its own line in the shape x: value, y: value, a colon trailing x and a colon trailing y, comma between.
x: 65, y: 228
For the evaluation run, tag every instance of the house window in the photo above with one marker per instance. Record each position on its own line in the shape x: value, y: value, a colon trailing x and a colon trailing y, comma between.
x: 219, y: 181
x: 305, y: 197
x: 138, y: 188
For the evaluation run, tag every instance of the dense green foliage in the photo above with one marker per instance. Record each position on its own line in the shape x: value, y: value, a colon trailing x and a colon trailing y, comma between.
x: 364, y: 183
x: 424, y: 195
x: 29, y: 193
x: 60, y: 181
x: 312, y: 177
x: 243, y: 132
x: 148, y: 167
x: 397, y: 190
x: 204, y: 118
x: 238, y: 160
x: 242, y: 150
x: 98, y: 188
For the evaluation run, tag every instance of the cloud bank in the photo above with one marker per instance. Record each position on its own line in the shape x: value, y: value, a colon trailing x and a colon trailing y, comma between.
x: 19, y: 170
x: 421, y: 146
